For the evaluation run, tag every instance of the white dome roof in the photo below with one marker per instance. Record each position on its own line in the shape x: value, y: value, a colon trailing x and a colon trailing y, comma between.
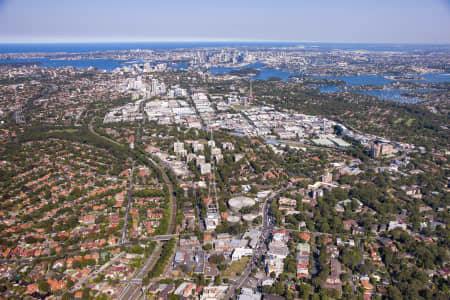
x: 233, y: 219
x: 237, y: 203
x: 249, y: 217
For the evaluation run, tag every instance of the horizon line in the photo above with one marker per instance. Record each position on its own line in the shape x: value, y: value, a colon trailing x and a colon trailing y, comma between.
x: 216, y: 41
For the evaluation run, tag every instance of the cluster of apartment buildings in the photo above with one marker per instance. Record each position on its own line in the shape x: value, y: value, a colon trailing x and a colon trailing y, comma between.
x: 277, y: 252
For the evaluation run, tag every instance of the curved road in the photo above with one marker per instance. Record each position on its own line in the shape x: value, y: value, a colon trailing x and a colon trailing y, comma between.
x: 133, y: 289
x: 171, y: 195
x: 163, y: 172
x: 91, y: 129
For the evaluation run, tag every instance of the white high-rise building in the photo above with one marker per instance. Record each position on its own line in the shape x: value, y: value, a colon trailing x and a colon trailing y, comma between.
x: 178, y: 147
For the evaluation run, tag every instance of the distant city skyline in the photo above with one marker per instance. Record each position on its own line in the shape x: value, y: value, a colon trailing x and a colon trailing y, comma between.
x: 345, y: 21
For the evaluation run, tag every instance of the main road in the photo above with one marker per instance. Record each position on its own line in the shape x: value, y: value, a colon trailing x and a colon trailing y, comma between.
x: 123, y: 239
x: 172, y: 199
x: 134, y: 287
x: 91, y: 129
x: 266, y: 228
x: 158, y: 166
x: 96, y: 272
x: 132, y: 290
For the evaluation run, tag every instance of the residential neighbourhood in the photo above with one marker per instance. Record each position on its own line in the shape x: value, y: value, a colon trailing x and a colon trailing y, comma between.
x: 155, y: 182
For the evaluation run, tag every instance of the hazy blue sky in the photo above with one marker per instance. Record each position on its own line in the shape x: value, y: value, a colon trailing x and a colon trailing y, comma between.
x: 398, y: 21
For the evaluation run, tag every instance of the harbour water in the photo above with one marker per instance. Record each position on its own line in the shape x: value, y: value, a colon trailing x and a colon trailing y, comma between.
x: 265, y: 73
x: 381, y: 80
x: 377, y: 80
